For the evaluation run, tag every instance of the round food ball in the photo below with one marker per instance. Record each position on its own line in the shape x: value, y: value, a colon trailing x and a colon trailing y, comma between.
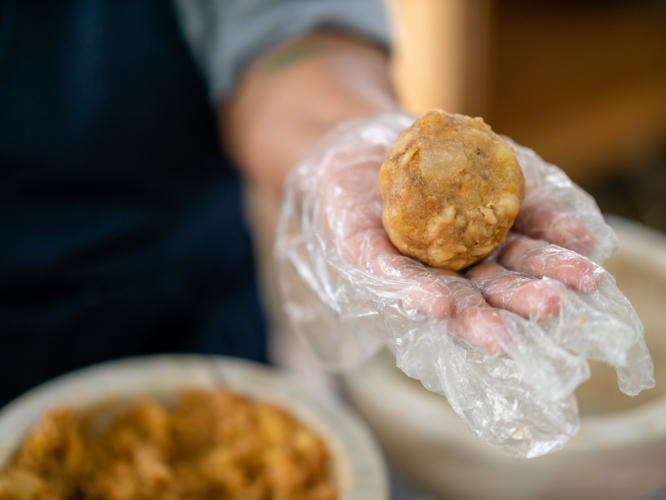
x: 451, y: 189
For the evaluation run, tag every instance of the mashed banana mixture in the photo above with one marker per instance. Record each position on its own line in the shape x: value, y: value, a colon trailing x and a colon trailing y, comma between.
x: 451, y: 189
x: 211, y: 445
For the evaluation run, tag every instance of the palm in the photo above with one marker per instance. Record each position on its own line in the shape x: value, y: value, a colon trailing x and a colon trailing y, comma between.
x: 513, y: 282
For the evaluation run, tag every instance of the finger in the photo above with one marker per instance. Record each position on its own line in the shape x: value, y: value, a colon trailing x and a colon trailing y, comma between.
x: 540, y: 219
x: 427, y: 298
x: 541, y: 259
x: 560, y: 212
x: 473, y: 320
x: 516, y: 292
x: 482, y: 328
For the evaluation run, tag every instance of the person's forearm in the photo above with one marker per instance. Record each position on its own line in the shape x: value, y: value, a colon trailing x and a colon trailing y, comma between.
x: 294, y: 94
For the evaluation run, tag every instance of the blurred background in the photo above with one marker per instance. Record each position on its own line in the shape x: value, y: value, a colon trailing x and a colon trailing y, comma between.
x: 581, y: 83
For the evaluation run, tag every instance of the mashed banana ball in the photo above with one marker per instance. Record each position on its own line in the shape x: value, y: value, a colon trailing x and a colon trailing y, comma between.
x: 451, y: 190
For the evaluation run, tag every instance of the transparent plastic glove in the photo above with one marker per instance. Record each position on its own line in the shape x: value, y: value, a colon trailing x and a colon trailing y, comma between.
x: 507, y: 342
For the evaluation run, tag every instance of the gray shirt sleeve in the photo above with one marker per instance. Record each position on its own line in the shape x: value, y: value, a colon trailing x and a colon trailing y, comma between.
x: 226, y: 35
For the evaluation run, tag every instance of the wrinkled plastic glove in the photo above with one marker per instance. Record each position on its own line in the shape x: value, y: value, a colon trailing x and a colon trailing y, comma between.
x: 506, y: 341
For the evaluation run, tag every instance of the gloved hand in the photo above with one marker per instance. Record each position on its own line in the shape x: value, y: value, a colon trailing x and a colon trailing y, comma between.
x: 507, y: 341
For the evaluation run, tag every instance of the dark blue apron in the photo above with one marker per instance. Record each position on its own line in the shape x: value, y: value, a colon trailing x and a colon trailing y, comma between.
x: 120, y: 220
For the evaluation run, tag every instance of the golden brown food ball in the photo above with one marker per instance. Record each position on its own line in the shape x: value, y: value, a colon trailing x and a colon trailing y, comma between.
x: 451, y: 189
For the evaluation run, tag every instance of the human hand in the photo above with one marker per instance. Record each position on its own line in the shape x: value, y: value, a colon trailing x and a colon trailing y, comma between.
x: 548, y: 241
x: 507, y: 341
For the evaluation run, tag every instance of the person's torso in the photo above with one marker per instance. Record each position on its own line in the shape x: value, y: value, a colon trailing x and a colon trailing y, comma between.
x: 116, y: 207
